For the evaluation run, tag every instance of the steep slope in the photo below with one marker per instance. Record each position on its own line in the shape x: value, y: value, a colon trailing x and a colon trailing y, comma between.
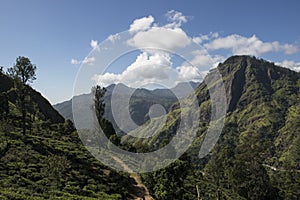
x: 261, y: 129
x: 49, y: 161
x: 6, y: 85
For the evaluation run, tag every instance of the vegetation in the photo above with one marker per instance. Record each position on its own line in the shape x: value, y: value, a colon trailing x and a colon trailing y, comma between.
x: 257, y: 155
x: 22, y: 73
x: 48, y: 162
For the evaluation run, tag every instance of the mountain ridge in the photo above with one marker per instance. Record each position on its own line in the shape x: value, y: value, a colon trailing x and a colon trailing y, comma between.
x: 261, y: 129
x: 142, y: 99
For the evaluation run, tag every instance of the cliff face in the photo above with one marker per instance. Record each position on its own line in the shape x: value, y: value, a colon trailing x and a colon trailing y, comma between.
x: 43, y: 105
x: 247, y: 79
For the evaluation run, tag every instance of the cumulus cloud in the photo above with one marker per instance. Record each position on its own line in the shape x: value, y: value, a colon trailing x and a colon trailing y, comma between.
x: 203, y: 60
x: 290, y: 64
x: 160, y: 38
x: 241, y: 45
x: 189, y: 73
x: 147, y: 68
x: 141, y: 24
x: 154, y: 64
x: 175, y: 18
x: 151, y: 68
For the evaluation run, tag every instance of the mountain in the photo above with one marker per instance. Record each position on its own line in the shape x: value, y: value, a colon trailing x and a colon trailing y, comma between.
x: 43, y: 105
x: 49, y: 161
x: 257, y: 154
x: 140, y: 102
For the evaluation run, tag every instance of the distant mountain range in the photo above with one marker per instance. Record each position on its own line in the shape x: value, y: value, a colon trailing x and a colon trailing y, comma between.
x: 140, y: 102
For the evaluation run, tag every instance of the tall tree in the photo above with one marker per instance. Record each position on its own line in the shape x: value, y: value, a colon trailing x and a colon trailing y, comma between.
x: 99, y: 108
x: 23, y: 72
x: 99, y: 93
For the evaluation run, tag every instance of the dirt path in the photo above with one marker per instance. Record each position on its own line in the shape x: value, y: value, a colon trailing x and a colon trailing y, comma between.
x: 141, y: 191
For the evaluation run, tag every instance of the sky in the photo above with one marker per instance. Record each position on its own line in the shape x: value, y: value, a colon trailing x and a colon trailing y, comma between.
x: 59, y: 35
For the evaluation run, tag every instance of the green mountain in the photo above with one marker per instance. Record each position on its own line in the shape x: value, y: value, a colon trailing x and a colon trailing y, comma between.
x: 257, y: 155
x: 49, y: 161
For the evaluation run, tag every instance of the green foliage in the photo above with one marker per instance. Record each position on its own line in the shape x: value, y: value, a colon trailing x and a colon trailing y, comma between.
x: 22, y: 73
x: 4, y: 105
x: 23, y: 70
x: 257, y: 155
x: 50, y: 162
x: 55, y: 166
x: 168, y: 183
x: 99, y: 108
x: 99, y: 105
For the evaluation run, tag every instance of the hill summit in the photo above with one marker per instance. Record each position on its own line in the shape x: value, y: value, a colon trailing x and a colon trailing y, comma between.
x: 257, y: 154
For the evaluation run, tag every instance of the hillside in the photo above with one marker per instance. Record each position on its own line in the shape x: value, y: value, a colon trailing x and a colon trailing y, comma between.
x: 43, y: 105
x: 257, y: 155
x: 49, y: 161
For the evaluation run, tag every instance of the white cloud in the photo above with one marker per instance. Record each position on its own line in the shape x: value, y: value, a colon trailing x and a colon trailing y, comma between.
x: 141, y: 24
x: 151, y: 68
x: 202, y: 59
x: 160, y: 38
x: 289, y: 48
x: 75, y: 62
x: 175, y: 18
x: 86, y: 60
x: 154, y: 66
x: 94, y: 44
x: 189, y: 73
x: 290, y: 64
x: 241, y: 45
x: 114, y: 37
x: 200, y: 39
x: 147, y: 68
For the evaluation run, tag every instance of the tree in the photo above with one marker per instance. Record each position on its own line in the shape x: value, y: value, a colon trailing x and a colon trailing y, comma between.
x: 23, y: 72
x: 99, y: 108
x: 99, y: 93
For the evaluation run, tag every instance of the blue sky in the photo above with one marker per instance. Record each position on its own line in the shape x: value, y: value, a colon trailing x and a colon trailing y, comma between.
x: 52, y: 33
